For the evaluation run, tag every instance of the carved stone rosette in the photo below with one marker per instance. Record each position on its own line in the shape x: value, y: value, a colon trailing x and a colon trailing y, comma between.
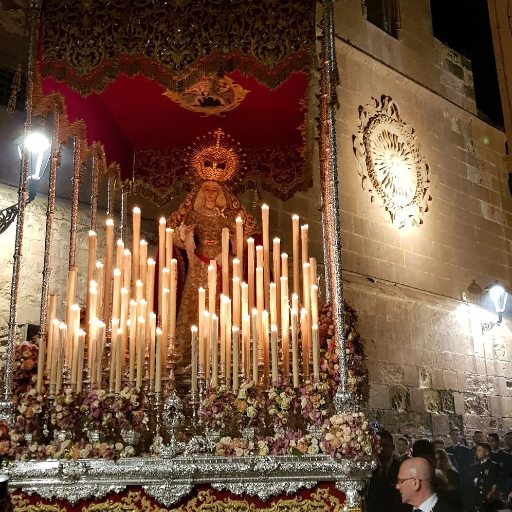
x: 169, y: 480
x: 390, y: 163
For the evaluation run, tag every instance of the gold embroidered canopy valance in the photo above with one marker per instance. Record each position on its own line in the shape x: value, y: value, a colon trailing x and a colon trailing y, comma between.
x: 88, y: 44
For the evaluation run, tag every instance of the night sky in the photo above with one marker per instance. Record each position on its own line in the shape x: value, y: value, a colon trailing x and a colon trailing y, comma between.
x: 464, y: 26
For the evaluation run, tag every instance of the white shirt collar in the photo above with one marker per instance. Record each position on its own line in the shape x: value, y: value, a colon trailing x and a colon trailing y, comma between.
x: 428, y: 505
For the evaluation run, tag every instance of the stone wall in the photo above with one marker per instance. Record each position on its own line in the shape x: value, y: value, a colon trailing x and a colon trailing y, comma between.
x: 430, y: 366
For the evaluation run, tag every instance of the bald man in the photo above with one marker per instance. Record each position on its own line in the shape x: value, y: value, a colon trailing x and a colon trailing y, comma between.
x: 415, y: 483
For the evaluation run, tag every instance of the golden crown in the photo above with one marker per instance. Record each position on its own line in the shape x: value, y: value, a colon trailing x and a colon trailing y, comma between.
x: 216, y: 157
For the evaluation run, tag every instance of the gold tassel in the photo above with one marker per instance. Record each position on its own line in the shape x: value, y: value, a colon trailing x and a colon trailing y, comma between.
x: 15, y: 89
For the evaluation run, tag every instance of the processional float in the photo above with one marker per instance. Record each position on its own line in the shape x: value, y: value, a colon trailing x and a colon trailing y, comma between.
x: 255, y: 356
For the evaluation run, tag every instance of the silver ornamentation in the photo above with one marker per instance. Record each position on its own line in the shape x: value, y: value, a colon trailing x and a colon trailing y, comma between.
x: 263, y: 490
x: 74, y: 493
x: 130, y: 437
x: 168, y: 493
x: 248, y: 433
x: 352, y: 490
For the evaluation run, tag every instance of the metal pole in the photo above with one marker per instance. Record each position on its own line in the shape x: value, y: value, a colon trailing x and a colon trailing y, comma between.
x: 5, y: 404
x: 343, y: 400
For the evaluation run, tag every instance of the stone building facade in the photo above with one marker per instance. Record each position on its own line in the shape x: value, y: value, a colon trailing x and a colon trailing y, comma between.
x: 430, y: 365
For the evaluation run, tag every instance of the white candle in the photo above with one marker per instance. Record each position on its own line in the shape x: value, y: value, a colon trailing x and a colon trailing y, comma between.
x: 305, y: 342
x: 266, y: 250
x: 295, y: 350
x: 295, y: 253
x: 314, y: 304
x: 158, y: 371
x: 100, y: 350
x: 80, y: 363
x: 116, y: 294
x: 225, y: 261
x: 316, y: 369
x: 240, y: 241
x: 119, y: 253
x: 161, y: 262
x: 143, y: 263
x: 117, y: 359
x: 132, y: 328
x: 200, y: 331
x: 236, y: 268
x: 60, y: 347
x: 150, y: 284
x: 98, y: 277
x: 212, y: 287
x: 136, y: 243
x: 250, y: 271
x: 236, y: 302
x: 273, y: 304
x: 40, y: 365
x: 276, y: 253
x: 236, y: 341
x: 255, y: 346
x: 140, y: 350
x: 172, y: 303
x: 193, y: 345
x: 304, y: 232
x: 266, y: 348
x: 152, y: 334
x: 109, y: 252
x: 228, y: 339
x: 127, y: 270
x: 52, y: 307
x: 215, y: 345
x: 91, y: 267
x: 273, y: 342
x: 285, y: 326
x: 169, y: 246
x: 246, y: 346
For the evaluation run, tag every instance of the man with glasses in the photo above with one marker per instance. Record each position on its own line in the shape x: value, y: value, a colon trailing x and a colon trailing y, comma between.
x: 415, y: 483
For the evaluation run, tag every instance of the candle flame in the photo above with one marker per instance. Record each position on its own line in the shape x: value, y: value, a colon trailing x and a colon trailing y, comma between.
x: 110, y: 222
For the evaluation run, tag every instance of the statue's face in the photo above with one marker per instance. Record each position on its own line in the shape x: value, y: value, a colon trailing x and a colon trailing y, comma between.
x: 211, y: 191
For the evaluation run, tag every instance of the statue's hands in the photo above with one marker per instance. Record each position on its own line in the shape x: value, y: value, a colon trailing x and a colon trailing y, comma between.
x: 185, y: 231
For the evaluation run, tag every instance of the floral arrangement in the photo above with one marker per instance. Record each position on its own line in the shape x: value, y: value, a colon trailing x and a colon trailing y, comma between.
x: 96, y: 410
x: 229, y: 447
x: 128, y: 408
x: 282, y: 401
x: 218, y: 407
x: 348, y: 436
x: 64, y: 413
x: 24, y: 368
x: 249, y: 404
x: 314, y: 402
x: 358, y: 380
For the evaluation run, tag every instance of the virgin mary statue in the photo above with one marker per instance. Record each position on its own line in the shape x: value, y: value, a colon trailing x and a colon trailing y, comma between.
x: 198, y: 225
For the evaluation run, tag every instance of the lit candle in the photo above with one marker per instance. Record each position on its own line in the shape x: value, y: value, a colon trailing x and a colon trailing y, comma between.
x: 285, y: 326
x: 295, y: 350
x: 304, y: 232
x: 116, y: 294
x: 165, y: 321
x: 273, y: 342
x: 206, y: 343
x: 119, y: 253
x: 117, y: 358
x: 140, y: 350
x: 60, y: 347
x: 127, y: 270
x: 80, y: 364
x: 125, y: 304
x: 284, y: 265
x: 70, y: 300
x: 91, y: 267
x: 172, y: 303
x: 169, y: 246
x: 136, y: 243
x: 236, y: 341
x: 150, y: 284
x: 295, y: 253
x: 228, y: 339
x: 236, y: 268
x: 259, y: 256
x: 200, y: 331
x: 132, y: 327
x: 225, y: 261
x: 315, y: 351
x: 222, y: 322
x: 305, y: 342
x: 312, y: 271
x: 314, y: 304
x: 158, y: 371
x: 276, y: 254
x: 255, y: 346
x: 113, y: 352
x: 265, y: 342
x: 236, y: 302
x: 152, y: 334
x: 98, y: 277
x: 259, y: 289
x: 240, y: 241
x: 250, y: 271
x: 246, y: 346
x: 215, y: 345
x: 193, y: 346
x: 109, y: 252
x: 139, y: 290
x: 101, y: 348
x: 161, y: 262
x: 212, y: 287
x: 143, y: 262
x: 266, y: 250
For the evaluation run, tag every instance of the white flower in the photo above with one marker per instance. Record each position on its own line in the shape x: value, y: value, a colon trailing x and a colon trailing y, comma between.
x: 313, y: 449
x: 226, y: 440
x: 239, y: 452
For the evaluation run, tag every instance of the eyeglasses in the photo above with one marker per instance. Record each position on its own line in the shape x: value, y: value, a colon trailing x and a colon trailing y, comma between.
x: 400, y: 481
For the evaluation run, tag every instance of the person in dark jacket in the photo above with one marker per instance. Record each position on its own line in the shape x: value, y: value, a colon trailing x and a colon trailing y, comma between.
x: 382, y: 494
x: 485, y: 477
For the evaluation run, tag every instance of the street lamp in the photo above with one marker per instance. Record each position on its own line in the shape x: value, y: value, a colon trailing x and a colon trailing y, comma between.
x: 498, y: 294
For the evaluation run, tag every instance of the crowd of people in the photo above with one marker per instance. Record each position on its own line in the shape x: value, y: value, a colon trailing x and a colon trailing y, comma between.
x: 427, y: 476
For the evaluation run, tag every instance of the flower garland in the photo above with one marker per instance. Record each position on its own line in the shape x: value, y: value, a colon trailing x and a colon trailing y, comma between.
x: 282, y: 401
x: 218, y: 407
x: 249, y: 404
x: 358, y: 379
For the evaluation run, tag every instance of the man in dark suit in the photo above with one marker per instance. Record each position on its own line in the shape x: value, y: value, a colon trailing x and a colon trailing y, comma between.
x: 504, y: 461
x: 415, y: 483
x: 382, y: 495
x: 462, y: 455
x: 508, y: 442
x: 402, y: 449
x: 478, y: 437
x: 485, y: 477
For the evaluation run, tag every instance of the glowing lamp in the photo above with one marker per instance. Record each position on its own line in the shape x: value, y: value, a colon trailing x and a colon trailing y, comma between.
x: 498, y: 294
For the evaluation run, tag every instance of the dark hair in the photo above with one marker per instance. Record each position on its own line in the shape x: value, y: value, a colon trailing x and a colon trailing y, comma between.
x: 439, y: 441
x: 402, y: 438
x: 477, y: 432
x: 384, y: 434
x: 509, y: 433
x: 494, y: 436
x: 454, y: 429
x: 485, y: 446
x: 422, y: 447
